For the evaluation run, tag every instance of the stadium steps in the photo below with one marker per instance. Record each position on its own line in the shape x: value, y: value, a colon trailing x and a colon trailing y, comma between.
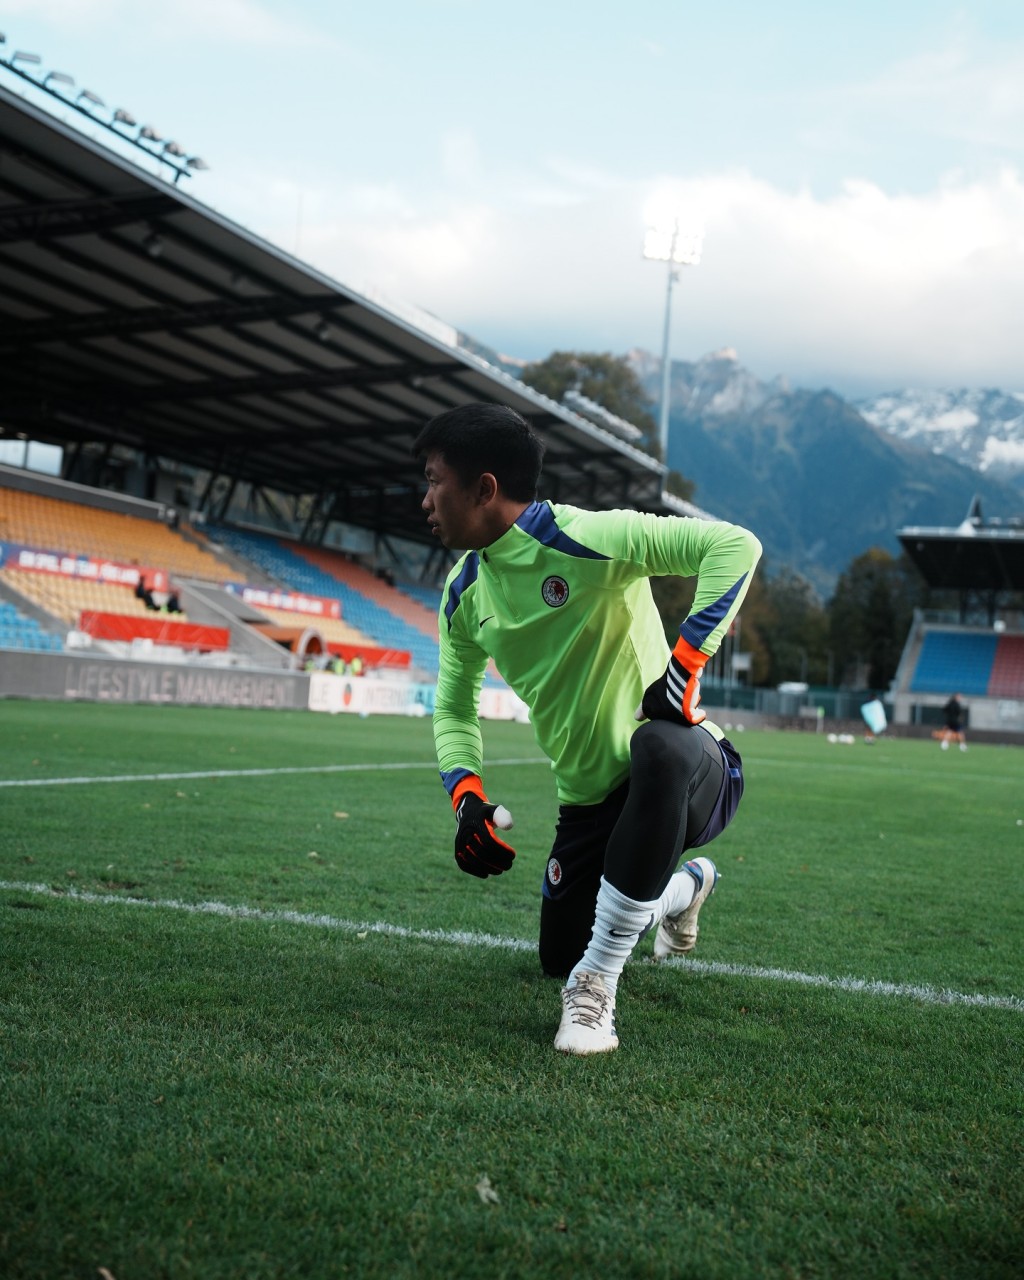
x: 387, y: 618
x: 282, y: 560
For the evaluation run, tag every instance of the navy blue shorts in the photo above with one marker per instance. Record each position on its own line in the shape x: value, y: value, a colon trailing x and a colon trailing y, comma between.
x: 685, y: 808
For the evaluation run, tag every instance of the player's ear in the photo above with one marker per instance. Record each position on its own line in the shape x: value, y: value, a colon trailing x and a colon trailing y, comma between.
x: 487, y: 488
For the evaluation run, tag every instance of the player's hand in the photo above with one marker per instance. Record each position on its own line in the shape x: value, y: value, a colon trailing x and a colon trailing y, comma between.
x: 675, y: 695
x: 477, y: 849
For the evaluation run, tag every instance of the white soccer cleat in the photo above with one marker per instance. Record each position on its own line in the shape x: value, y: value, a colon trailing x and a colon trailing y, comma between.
x: 677, y: 935
x: 588, y: 1017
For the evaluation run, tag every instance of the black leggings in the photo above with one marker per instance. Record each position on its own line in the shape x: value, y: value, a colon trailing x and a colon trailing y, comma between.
x: 635, y: 837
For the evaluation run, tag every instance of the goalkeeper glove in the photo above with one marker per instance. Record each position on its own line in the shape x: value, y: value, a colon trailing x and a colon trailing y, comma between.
x: 675, y: 695
x: 477, y: 849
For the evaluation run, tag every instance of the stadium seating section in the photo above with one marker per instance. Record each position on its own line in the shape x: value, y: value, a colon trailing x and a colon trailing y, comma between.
x: 974, y: 663
x: 53, y: 524
x: 18, y: 631
x: 374, y: 614
x: 371, y: 606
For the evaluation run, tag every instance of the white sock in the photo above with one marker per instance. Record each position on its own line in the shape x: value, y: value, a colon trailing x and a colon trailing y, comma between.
x: 618, y: 923
x: 677, y: 896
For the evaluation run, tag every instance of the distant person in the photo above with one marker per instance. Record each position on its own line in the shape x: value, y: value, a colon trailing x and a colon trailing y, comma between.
x: 143, y: 593
x: 953, y: 723
x: 172, y: 604
x: 560, y: 599
x: 357, y: 666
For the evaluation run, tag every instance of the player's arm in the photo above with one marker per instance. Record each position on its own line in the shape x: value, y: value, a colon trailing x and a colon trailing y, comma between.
x: 723, y: 557
x: 459, y: 745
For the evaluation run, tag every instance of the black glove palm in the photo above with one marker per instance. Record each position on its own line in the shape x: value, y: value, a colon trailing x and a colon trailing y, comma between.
x: 477, y: 849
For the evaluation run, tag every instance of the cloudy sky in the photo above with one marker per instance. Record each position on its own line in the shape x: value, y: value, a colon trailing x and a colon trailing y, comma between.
x: 858, y: 169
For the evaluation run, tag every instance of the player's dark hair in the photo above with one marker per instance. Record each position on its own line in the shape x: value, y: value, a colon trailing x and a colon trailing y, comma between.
x: 475, y: 438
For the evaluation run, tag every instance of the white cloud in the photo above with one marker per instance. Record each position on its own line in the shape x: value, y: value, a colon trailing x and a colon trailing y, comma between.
x: 864, y: 291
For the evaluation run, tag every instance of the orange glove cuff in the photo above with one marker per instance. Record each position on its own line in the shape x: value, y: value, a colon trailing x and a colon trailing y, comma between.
x: 472, y: 782
x: 689, y: 657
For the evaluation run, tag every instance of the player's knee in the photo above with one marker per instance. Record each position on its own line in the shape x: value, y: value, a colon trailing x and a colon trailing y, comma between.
x: 662, y: 753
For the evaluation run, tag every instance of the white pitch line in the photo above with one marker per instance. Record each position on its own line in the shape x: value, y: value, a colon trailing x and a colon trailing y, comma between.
x: 857, y: 986
x: 383, y: 766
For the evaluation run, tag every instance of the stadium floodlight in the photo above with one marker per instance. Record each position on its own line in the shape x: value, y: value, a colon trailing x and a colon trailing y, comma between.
x: 667, y: 241
x: 60, y: 85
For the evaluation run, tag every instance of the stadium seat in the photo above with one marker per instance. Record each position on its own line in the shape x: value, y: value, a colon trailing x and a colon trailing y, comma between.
x: 955, y: 662
x: 375, y: 608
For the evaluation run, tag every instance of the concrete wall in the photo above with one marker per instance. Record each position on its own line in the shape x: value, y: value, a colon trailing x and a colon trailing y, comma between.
x: 60, y: 676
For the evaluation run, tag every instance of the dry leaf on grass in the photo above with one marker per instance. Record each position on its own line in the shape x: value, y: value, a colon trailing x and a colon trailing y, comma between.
x: 485, y: 1191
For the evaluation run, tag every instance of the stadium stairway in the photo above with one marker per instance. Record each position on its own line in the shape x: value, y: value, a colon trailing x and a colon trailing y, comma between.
x: 285, y: 562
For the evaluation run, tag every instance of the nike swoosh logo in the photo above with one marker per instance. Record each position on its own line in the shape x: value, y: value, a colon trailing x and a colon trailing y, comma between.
x: 617, y: 933
x: 487, y: 619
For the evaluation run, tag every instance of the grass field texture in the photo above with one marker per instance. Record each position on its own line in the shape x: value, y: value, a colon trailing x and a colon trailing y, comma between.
x: 255, y: 1023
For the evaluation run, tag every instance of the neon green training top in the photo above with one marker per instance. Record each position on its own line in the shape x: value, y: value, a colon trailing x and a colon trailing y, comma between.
x: 562, y: 603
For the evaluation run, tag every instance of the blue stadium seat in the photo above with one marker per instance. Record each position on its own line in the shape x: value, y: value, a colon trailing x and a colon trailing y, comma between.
x: 17, y: 631
x: 287, y: 566
x: 955, y: 662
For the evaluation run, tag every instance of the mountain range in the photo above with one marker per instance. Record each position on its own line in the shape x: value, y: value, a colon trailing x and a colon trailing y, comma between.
x: 821, y: 479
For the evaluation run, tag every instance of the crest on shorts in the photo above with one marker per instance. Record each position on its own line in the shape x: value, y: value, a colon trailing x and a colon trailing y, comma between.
x: 555, y: 591
x: 554, y: 871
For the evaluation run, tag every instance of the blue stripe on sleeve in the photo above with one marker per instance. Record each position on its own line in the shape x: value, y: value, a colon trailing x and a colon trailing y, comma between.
x: 698, y: 626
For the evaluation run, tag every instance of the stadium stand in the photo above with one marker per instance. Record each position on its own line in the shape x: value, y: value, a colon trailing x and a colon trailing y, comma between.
x: 18, y: 631
x: 954, y: 661
x: 978, y: 663
x: 53, y: 524
x: 288, y: 563
x: 333, y: 630
x: 974, y: 644
x: 66, y: 598
x: 428, y: 597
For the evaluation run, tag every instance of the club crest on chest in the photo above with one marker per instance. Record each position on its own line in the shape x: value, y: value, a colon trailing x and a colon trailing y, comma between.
x: 554, y: 591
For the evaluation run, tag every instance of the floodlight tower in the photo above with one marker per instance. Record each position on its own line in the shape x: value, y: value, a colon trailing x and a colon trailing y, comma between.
x: 667, y: 242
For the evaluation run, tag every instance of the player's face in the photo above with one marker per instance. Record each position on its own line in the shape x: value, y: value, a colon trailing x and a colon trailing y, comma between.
x: 453, y: 509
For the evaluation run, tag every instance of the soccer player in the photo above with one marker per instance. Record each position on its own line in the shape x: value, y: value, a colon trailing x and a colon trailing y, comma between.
x: 560, y: 599
x: 952, y: 726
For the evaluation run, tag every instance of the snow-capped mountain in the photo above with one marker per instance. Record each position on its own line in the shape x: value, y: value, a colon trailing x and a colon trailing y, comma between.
x: 815, y: 476
x: 980, y: 429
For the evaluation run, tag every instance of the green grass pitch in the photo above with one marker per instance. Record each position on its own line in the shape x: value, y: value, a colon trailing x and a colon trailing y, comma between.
x: 254, y: 1022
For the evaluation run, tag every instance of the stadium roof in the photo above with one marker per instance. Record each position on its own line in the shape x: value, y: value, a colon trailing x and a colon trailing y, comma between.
x: 975, y: 556
x: 132, y: 315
